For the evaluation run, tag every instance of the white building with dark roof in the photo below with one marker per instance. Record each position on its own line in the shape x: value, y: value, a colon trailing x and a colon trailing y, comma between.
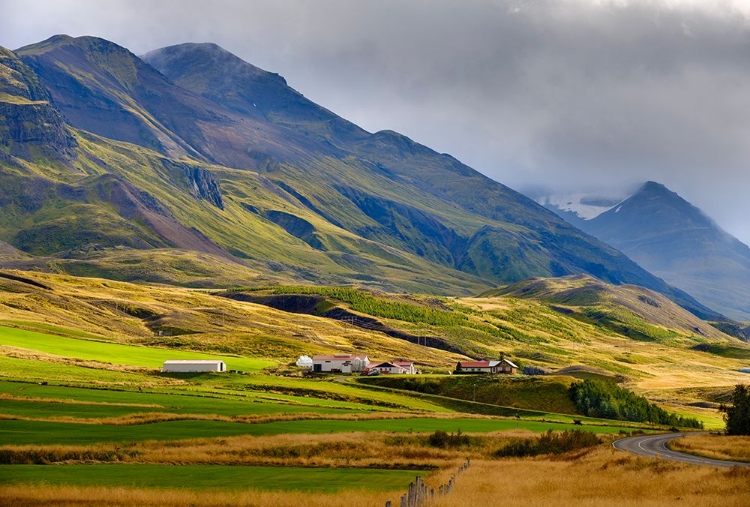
x: 406, y: 367
x: 340, y: 363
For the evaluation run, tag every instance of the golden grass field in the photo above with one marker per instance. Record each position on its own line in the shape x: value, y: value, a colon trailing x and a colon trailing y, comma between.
x: 597, y: 478
x: 715, y: 446
x: 74, y: 496
x: 588, y: 478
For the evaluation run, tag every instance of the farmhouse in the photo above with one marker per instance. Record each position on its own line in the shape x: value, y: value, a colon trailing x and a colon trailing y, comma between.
x: 193, y: 365
x: 340, y: 363
x: 502, y: 366
x: 394, y: 367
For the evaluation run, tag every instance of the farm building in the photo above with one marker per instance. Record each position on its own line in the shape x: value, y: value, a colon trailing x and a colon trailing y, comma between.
x: 193, y: 365
x: 393, y: 367
x: 502, y: 366
x: 340, y: 363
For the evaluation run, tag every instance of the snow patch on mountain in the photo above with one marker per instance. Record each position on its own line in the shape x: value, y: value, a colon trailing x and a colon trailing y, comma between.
x: 584, y: 205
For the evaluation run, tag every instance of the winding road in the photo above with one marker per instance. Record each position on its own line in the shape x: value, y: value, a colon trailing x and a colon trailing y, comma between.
x: 655, y: 446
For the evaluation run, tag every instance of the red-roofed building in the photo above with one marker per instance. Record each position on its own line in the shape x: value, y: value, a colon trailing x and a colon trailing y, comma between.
x: 502, y: 366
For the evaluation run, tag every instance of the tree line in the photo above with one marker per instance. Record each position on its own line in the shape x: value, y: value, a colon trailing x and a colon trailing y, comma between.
x: 597, y: 398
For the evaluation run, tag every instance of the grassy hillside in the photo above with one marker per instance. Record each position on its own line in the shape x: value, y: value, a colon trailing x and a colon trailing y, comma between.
x: 627, y: 334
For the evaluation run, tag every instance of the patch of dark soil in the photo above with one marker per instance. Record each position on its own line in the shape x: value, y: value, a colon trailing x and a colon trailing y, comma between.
x: 25, y: 280
x: 293, y: 303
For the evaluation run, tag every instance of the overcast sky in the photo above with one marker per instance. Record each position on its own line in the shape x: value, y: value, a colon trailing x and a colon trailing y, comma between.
x: 566, y: 93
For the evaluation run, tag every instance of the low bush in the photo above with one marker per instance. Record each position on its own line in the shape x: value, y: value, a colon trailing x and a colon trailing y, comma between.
x: 445, y: 440
x: 548, y: 443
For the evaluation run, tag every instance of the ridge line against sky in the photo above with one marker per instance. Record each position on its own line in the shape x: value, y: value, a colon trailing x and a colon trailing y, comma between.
x: 565, y: 94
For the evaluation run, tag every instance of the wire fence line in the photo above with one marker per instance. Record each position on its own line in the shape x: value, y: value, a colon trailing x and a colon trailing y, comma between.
x: 419, y: 496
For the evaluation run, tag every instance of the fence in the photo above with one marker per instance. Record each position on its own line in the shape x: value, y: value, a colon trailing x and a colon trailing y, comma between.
x: 418, y: 496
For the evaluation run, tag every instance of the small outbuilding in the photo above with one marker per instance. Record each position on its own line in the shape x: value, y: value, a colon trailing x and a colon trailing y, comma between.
x: 193, y: 366
x: 393, y: 367
x: 305, y: 362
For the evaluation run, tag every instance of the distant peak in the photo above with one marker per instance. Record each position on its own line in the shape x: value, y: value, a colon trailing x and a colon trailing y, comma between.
x: 205, y: 47
x: 654, y: 190
x: 86, y: 43
x: 54, y: 41
x: 653, y: 186
x: 190, y: 54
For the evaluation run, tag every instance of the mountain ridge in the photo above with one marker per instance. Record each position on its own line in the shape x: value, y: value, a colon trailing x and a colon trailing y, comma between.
x: 341, y: 207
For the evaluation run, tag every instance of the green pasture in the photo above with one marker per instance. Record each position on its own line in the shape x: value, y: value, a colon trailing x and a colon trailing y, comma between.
x: 20, y: 432
x: 114, y: 353
x: 36, y: 371
x: 99, y: 403
x: 51, y: 328
x: 209, y: 477
x: 338, y: 387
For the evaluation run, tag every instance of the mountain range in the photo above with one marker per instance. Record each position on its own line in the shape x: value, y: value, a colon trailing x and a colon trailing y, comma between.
x: 676, y: 241
x: 189, y: 165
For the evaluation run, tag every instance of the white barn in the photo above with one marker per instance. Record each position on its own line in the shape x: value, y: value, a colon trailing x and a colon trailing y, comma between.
x: 193, y: 366
x: 340, y: 363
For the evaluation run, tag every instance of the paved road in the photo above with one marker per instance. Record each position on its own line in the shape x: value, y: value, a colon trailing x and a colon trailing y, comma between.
x: 655, y: 446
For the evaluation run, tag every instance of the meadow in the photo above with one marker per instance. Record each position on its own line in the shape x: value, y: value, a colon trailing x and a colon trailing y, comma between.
x: 106, y: 352
x: 714, y: 446
x: 207, y: 477
x: 86, y: 417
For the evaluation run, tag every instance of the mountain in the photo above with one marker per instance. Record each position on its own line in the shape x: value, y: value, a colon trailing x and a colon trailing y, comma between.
x: 192, y: 157
x: 677, y: 242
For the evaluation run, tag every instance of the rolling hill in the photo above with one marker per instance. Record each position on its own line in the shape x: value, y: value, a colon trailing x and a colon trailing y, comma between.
x: 570, y: 326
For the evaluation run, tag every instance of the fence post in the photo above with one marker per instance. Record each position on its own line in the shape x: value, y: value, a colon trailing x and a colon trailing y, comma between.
x: 388, y: 503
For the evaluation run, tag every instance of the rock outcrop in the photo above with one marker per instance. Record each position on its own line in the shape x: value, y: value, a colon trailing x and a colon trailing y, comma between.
x: 30, y: 126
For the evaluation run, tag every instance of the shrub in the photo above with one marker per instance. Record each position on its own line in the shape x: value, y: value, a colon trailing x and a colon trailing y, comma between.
x: 445, y: 440
x: 533, y: 370
x: 549, y: 443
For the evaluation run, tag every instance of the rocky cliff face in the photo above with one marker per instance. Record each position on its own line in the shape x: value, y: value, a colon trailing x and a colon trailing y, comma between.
x: 29, y: 125
x: 200, y: 183
x: 205, y: 185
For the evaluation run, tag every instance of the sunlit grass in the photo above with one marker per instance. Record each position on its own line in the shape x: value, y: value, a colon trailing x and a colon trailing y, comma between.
x: 203, y: 477
x: 113, y: 353
x: 714, y: 446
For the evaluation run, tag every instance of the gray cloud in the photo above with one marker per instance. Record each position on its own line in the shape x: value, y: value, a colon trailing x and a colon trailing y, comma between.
x: 562, y: 93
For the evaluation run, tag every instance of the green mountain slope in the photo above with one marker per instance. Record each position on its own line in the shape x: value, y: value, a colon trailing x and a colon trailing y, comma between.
x: 281, y: 187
